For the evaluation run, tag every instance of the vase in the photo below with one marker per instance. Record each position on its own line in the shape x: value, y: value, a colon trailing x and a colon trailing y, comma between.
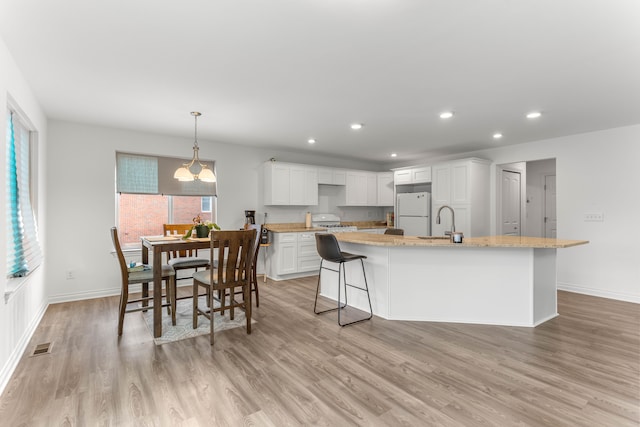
x: 202, y: 231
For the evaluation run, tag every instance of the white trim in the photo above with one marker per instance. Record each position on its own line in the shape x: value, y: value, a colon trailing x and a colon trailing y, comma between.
x: 78, y: 296
x: 18, y: 351
x: 598, y: 293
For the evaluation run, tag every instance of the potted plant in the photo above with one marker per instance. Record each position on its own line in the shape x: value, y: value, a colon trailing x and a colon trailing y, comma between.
x: 202, y: 228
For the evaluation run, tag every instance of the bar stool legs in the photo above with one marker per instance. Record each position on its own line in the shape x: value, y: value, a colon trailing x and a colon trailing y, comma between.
x: 342, y: 279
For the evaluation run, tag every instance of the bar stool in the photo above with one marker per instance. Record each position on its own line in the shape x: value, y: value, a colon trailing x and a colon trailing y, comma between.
x: 329, y: 251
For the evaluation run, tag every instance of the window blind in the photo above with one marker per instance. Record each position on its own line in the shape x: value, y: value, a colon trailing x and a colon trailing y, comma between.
x: 24, y: 253
x: 144, y: 174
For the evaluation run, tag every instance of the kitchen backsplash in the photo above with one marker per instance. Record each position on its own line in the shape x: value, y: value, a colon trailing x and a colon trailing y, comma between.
x: 284, y: 214
x: 328, y: 202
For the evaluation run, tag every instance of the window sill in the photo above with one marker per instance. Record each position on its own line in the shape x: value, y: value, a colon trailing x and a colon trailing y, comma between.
x: 13, y: 286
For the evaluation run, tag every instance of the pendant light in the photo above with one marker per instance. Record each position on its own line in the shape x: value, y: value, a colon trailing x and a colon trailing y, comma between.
x: 184, y: 172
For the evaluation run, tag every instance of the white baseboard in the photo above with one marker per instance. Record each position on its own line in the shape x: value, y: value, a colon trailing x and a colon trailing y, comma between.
x: 18, y: 351
x: 77, y: 296
x: 598, y: 293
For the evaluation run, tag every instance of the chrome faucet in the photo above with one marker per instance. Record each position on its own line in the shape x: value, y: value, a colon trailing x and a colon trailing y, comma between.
x: 453, y: 219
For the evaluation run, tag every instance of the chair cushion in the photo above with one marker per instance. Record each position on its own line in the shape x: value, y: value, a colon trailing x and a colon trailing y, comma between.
x: 147, y: 275
x: 188, y: 262
x: 202, y: 276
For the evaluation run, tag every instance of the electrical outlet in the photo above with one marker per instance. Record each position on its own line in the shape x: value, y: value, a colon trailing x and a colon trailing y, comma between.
x: 71, y: 274
x: 594, y: 217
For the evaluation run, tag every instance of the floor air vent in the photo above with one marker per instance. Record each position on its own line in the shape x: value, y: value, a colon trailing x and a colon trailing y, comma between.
x: 42, y: 349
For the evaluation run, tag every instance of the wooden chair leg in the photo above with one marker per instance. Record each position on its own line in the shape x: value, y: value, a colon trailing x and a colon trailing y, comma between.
x: 174, y: 299
x: 247, y: 306
x: 195, y: 305
x: 210, y: 293
x: 145, y: 295
x: 124, y: 296
x: 255, y: 288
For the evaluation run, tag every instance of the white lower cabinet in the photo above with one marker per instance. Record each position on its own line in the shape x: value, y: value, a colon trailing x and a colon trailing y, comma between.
x: 294, y: 255
x: 308, y: 258
x: 285, y: 253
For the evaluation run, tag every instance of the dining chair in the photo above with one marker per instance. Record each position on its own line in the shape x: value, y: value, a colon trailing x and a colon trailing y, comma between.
x: 186, y: 258
x: 254, y: 274
x: 143, y: 277
x: 234, y: 252
x: 394, y: 231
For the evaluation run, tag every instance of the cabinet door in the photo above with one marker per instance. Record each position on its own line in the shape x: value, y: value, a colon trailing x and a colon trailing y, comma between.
x: 441, y: 185
x: 297, y: 185
x: 356, y: 189
x: 402, y: 177
x: 325, y: 176
x: 285, y: 247
x: 311, y: 186
x: 421, y: 175
x: 339, y: 177
x: 372, y: 190
x: 279, y: 186
x: 460, y: 183
x: 385, y: 189
x: 287, y: 258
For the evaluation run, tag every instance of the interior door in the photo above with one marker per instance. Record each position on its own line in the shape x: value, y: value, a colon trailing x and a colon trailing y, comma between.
x: 550, y: 219
x: 511, y: 203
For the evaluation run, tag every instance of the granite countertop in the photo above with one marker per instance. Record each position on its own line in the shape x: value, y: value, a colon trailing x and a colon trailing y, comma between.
x: 487, y: 241
x: 291, y: 227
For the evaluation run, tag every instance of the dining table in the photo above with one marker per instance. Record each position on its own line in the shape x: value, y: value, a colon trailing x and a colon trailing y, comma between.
x: 157, y: 245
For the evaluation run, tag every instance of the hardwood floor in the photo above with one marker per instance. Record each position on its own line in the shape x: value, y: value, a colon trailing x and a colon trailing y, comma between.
x: 297, y: 368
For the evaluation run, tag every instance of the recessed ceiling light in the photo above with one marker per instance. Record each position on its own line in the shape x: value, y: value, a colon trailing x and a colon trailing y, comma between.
x: 446, y: 114
x: 497, y: 135
x: 311, y: 141
x: 534, y: 115
x: 394, y: 155
x: 356, y: 126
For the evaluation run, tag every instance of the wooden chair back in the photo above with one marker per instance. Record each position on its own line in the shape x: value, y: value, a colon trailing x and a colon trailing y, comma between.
x: 179, y: 230
x: 124, y: 272
x: 234, y: 249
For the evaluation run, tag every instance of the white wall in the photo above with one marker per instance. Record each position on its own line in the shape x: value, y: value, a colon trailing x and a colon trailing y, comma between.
x: 595, y: 172
x: 81, y: 174
x: 22, y: 309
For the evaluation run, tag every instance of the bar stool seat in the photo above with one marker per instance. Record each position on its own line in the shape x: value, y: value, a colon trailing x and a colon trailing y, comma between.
x: 329, y: 250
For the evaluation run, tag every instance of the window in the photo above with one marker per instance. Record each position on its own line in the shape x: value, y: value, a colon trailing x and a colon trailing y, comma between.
x: 24, y: 254
x: 205, y: 204
x: 148, y: 196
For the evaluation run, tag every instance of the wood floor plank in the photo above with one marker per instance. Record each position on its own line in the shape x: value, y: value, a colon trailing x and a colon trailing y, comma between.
x: 298, y: 368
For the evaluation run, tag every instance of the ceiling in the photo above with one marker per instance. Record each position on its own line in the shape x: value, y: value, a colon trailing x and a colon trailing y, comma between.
x: 275, y: 73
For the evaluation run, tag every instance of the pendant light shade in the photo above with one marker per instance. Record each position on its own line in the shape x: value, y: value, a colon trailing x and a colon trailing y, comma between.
x: 185, y: 172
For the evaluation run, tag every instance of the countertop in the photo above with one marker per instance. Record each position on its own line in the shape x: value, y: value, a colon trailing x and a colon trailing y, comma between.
x: 487, y: 241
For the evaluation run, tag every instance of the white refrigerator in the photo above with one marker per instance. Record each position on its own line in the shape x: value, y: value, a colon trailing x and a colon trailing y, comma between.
x: 413, y: 215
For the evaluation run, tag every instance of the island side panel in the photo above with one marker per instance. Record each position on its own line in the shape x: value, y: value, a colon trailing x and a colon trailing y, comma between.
x: 377, y: 271
x: 462, y: 284
x: 545, y: 292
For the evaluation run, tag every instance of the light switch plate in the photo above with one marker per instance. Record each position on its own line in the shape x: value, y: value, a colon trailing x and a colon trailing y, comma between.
x: 594, y: 217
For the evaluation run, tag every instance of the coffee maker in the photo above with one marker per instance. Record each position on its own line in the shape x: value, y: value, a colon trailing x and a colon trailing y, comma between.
x: 250, y: 217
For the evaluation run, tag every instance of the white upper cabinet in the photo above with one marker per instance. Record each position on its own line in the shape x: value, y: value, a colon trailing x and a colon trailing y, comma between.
x: 356, y: 191
x: 385, y: 188
x: 331, y: 176
x: 417, y: 175
x: 290, y: 184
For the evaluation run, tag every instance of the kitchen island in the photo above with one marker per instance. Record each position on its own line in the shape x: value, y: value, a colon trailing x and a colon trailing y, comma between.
x: 496, y: 280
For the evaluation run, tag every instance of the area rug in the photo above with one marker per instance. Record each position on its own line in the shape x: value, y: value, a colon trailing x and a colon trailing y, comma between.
x: 184, y: 322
